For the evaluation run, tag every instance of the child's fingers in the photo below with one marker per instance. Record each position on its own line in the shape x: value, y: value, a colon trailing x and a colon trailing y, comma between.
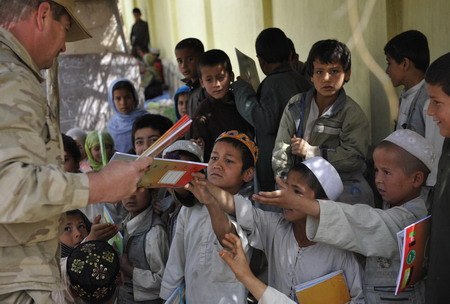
x: 281, y: 183
x: 97, y: 219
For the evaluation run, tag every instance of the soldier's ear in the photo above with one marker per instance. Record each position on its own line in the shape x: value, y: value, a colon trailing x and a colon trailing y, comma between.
x: 43, y: 15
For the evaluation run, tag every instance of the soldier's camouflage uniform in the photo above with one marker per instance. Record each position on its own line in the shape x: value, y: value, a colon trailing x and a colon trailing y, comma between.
x: 33, y: 187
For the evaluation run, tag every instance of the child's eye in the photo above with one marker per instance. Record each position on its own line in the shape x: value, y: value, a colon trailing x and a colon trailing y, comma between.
x: 138, y: 142
x: 318, y: 72
x: 298, y: 192
x: 334, y: 71
x: 229, y: 161
x: 82, y: 227
x: 67, y: 229
x: 386, y: 172
x: 214, y: 158
x: 179, y: 61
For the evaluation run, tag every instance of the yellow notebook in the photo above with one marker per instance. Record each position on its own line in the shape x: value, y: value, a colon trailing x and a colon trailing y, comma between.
x: 330, y: 288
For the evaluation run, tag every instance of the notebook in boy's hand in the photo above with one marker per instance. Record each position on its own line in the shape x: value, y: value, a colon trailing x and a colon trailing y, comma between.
x: 164, y: 173
x: 175, y: 132
x: 412, y: 241
x: 247, y: 69
x: 330, y: 288
x: 117, y: 240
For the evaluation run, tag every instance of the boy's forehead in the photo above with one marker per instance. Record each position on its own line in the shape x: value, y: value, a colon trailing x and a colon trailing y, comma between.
x: 319, y: 64
x: 186, y: 52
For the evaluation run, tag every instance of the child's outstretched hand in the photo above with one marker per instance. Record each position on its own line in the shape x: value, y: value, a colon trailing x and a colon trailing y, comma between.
x: 299, y: 146
x: 235, y: 257
x: 199, y: 187
x: 288, y: 198
x: 101, y: 231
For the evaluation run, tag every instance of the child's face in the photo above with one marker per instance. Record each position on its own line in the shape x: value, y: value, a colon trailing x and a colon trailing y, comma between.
x: 298, y: 184
x: 395, y: 71
x: 74, y: 231
x: 124, y: 101
x: 225, y: 168
x: 328, y: 78
x: 70, y: 165
x: 439, y: 108
x: 393, y: 184
x: 144, y: 138
x: 97, y: 153
x: 137, y: 202
x: 216, y: 81
x: 187, y: 62
x: 183, y: 100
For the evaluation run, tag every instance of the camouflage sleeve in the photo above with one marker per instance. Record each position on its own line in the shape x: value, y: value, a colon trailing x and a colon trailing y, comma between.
x: 33, y: 185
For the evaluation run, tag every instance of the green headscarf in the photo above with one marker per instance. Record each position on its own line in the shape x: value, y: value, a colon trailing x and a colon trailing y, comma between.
x: 93, y: 139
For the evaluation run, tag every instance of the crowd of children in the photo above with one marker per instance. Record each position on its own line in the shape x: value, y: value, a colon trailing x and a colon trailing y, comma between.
x: 299, y: 133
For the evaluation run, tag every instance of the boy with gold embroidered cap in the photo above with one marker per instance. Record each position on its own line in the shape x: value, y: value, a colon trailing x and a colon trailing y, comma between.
x: 402, y: 162
x: 193, y: 255
x: 94, y: 272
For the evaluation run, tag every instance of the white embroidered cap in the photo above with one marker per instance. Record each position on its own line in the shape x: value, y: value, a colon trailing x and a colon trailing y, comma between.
x: 327, y: 176
x: 415, y: 144
x: 185, y: 145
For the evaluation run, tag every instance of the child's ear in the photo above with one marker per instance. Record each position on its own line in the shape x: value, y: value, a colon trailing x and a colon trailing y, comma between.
x: 248, y: 174
x: 418, y: 179
x: 201, y: 82
x: 347, y: 75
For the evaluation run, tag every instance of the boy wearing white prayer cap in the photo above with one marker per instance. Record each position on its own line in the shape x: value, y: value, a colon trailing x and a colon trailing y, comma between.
x: 292, y: 258
x: 403, y: 161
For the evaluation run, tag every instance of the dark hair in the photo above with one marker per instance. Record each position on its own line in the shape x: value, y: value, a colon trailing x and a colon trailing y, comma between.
x: 13, y: 11
x: 71, y: 147
x: 154, y: 121
x: 247, y: 157
x: 408, y: 162
x: 412, y: 45
x: 311, y: 179
x: 125, y: 85
x: 212, y: 58
x: 191, y: 43
x: 86, y: 221
x: 329, y: 51
x: 136, y: 11
x: 272, y: 45
x: 438, y: 74
x: 291, y: 45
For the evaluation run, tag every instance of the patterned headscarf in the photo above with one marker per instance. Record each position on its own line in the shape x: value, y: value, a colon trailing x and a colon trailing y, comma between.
x: 93, y: 269
x: 93, y: 139
x: 243, y: 138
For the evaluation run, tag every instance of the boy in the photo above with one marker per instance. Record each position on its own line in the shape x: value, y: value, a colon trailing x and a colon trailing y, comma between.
x: 181, y: 100
x: 170, y: 207
x: 145, y: 250
x: 408, y: 57
x: 94, y: 282
x: 147, y: 129
x: 123, y: 100
x: 72, y: 155
x: 193, y: 257
x: 218, y: 112
x: 402, y: 162
x: 438, y: 85
x: 326, y: 122
x: 188, y: 52
x: 263, y: 109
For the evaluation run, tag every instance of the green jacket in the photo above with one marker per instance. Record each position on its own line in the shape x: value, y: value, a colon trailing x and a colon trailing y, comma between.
x: 35, y: 190
x: 342, y: 133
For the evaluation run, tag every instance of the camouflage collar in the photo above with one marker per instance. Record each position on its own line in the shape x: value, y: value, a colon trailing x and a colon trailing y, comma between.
x: 8, y: 40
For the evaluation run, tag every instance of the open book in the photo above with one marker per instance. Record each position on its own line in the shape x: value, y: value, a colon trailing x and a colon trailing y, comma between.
x: 247, y: 69
x: 164, y: 173
x: 117, y: 240
x: 330, y: 288
x: 413, y: 243
x: 176, y: 131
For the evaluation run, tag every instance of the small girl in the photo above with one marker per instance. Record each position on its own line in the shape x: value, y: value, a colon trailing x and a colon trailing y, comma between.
x: 292, y: 258
x: 123, y: 100
x: 97, y: 158
x: 146, y: 249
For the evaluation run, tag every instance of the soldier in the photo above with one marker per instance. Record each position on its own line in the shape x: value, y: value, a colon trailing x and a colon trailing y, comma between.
x: 35, y: 189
